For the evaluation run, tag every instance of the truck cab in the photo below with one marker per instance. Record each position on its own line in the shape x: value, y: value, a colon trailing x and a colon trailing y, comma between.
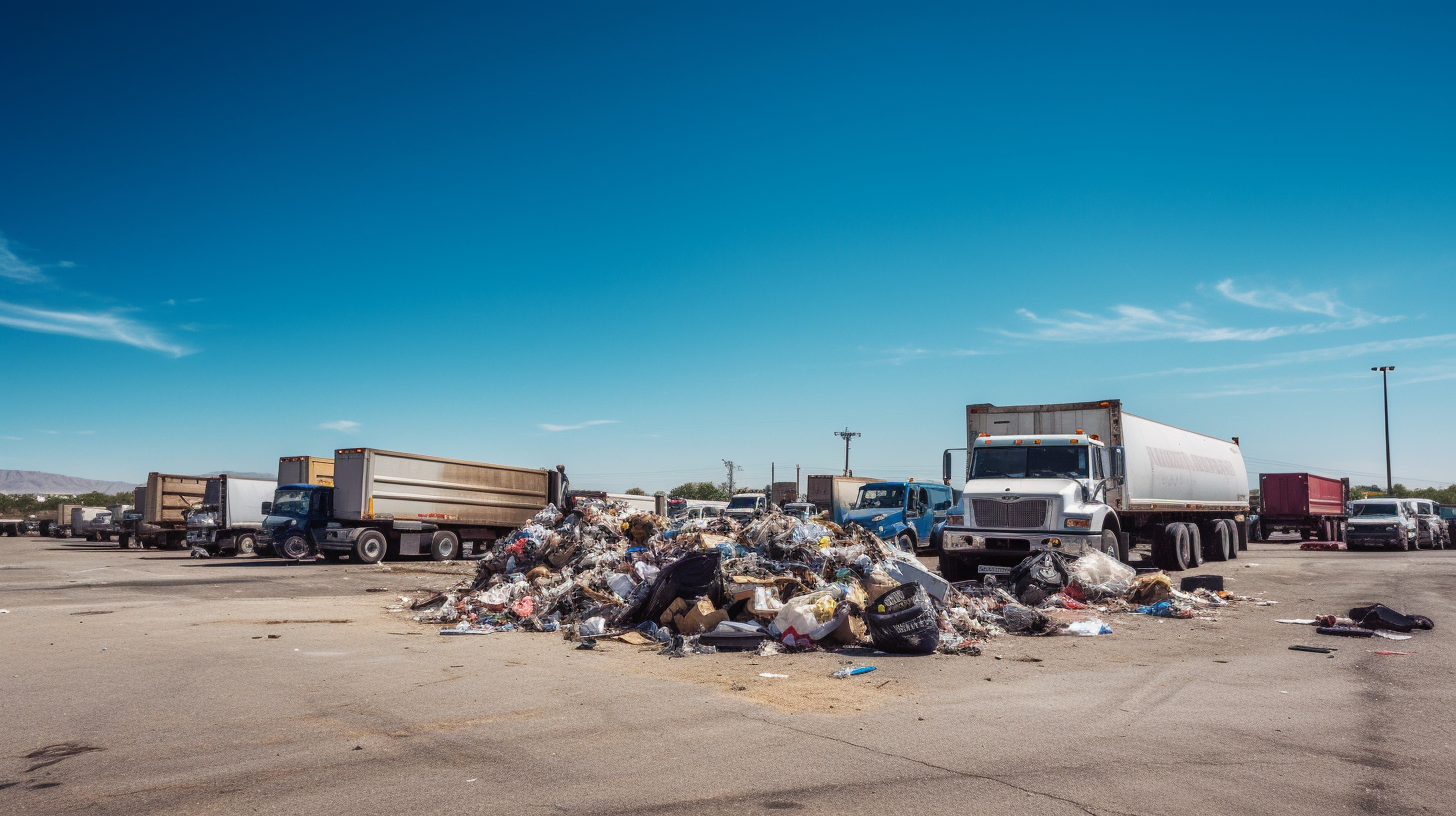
x: 901, y: 512
x: 1430, y: 528
x: 745, y: 507
x: 1030, y: 493
x: 296, y: 519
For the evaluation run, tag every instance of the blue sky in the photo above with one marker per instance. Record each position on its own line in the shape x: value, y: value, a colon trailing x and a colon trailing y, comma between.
x: 639, y: 239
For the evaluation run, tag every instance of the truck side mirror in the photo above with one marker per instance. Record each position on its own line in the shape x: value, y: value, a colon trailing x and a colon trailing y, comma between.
x: 1119, y: 465
x: 267, y: 508
x: 945, y: 467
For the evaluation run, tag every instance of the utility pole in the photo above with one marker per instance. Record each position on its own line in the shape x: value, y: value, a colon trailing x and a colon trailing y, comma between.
x: 848, y: 435
x: 728, y: 463
x: 1385, y: 391
x: 796, y: 483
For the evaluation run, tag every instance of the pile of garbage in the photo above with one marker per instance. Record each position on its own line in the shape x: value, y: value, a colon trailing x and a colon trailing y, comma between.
x: 779, y: 583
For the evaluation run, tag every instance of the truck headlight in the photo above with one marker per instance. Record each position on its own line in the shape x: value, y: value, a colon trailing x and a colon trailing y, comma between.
x: 1079, y: 523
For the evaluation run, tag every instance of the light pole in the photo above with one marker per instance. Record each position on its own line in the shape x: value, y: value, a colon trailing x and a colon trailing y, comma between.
x: 1385, y: 391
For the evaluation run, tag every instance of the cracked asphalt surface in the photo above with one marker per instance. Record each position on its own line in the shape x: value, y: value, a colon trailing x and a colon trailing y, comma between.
x: 148, y: 682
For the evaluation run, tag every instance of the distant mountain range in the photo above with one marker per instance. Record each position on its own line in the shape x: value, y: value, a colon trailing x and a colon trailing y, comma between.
x: 18, y: 482
x: 33, y: 481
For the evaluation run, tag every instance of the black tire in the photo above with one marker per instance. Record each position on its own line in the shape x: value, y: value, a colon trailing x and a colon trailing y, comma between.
x: 1215, y: 540
x: 905, y: 543
x: 444, y: 546
x: 1195, y: 544
x: 1110, y: 545
x: 955, y: 570
x: 370, y: 547
x: 245, y: 545
x: 1170, y: 550
x: 1233, y: 538
x: 293, y: 547
x: 123, y: 541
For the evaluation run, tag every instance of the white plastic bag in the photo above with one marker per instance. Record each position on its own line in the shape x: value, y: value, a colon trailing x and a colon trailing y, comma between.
x: 807, y: 619
x: 1100, y: 574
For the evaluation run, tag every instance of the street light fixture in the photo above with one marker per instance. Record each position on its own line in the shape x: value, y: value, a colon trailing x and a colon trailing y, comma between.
x: 1385, y: 390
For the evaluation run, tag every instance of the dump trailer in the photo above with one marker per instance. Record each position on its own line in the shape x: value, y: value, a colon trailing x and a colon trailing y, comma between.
x: 168, y: 499
x: 836, y: 493
x: 646, y: 504
x: 230, y: 515
x: 386, y: 503
x: 1302, y: 503
x: 1074, y: 477
x: 314, y: 470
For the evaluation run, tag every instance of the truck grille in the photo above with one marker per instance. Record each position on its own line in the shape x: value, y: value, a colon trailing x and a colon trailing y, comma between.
x: 1027, y: 514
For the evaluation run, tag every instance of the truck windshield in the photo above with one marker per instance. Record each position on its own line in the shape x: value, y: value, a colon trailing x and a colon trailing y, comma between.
x: 1381, y: 509
x: 738, y: 502
x: 1448, y: 512
x: 1054, y: 462
x: 884, y: 498
x: 291, y: 502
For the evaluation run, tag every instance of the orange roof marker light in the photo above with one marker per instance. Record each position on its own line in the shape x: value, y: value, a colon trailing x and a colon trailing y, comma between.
x: 1018, y: 441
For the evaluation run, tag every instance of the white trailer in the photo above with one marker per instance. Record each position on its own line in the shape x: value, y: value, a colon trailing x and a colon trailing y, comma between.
x: 1077, y: 476
x: 81, y: 519
x: 230, y: 515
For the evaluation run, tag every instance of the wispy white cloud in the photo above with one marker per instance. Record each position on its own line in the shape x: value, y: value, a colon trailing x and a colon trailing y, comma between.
x: 12, y: 267
x: 111, y: 327
x: 1320, y: 355
x: 67, y: 264
x: 1128, y: 323
x: 345, y: 425
x: 11, y: 438
x: 553, y: 428
x: 905, y: 354
x: 1138, y: 323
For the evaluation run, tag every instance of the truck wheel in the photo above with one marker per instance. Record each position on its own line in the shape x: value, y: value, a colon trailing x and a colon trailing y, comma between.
x: 1170, y: 550
x: 245, y: 544
x: 444, y: 546
x: 1233, y: 538
x: 1195, y: 544
x: 1215, y: 540
x: 370, y: 546
x: 293, y: 548
x: 123, y: 541
x: 904, y: 542
x: 1109, y: 545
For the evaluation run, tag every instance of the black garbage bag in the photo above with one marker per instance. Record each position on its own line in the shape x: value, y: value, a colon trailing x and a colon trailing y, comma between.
x: 1039, y: 577
x: 1380, y: 616
x: 903, y: 621
x: 688, y: 577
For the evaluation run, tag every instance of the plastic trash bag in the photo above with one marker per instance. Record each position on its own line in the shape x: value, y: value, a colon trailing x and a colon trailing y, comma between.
x: 903, y: 621
x: 1088, y: 628
x: 1101, y: 575
x: 1038, y: 577
x: 688, y: 577
x: 1023, y: 620
x: 807, y: 619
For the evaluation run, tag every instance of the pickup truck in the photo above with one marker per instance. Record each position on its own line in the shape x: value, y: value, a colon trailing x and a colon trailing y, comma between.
x: 1381, y: 524
x: 902, y: 513
x: 1431, y: 531
x: 745, y: 507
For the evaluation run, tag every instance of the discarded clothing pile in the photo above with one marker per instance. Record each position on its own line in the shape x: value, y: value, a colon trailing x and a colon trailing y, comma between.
x: 1375, y: 620
x: 604, y: 570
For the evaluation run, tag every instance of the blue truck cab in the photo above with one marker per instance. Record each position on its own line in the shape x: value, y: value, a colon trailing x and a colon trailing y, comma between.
x: 901, y: 513
x: 296, y: 519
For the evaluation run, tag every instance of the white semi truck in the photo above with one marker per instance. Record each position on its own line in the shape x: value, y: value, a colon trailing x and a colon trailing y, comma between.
x: 230, y: 516
x: 1077, y: 476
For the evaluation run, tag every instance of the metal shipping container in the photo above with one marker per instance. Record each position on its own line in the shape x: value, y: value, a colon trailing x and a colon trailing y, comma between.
x: 1304, y: 503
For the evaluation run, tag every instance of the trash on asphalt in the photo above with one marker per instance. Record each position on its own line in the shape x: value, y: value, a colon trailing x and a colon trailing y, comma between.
x: 779, y: 583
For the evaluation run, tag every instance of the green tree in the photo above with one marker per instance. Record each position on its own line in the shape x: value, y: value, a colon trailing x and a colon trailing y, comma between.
x: 636, y: 491
x: 702, y: 491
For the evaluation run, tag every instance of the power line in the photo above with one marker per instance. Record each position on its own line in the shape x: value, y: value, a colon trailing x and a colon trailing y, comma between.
x: 1351, y: 472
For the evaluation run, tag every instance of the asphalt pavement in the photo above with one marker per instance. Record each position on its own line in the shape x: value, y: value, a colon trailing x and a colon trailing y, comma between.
x: 149, y: 682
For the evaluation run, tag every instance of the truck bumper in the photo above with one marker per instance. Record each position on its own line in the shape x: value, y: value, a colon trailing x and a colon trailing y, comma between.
x: 1007, y: 547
